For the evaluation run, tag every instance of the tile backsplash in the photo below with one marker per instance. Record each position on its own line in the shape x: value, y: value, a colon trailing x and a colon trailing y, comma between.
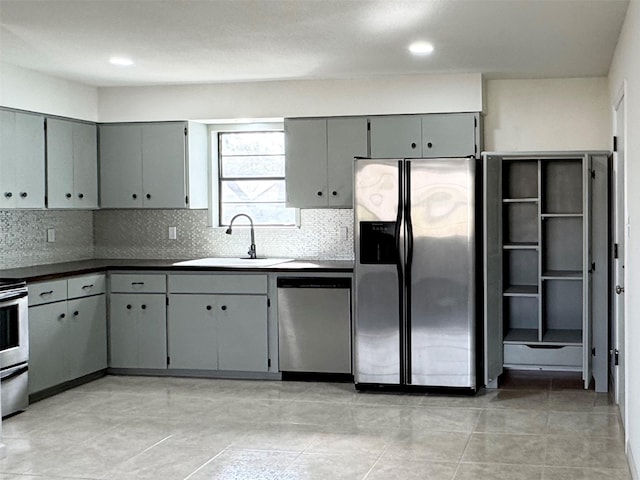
x: 144, y: 234
x: 23, y: 236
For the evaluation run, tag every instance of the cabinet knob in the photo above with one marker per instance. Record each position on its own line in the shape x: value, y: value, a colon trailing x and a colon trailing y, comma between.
x: 143, y: 306
x: 319, y: 194
x: 414, y: 145
x: 429, y: 145
x: 63, y: 315
x: 81, y: 196
x: 334, y: 193
x: 208, y: 307
x: 128, y: 307
x: 134, y: 196
x: 148, y: 195
x: 223, y: 307
x: 23, y: 194
x: 76, y: 313
x: 8, y: 194
x: 67, y: 195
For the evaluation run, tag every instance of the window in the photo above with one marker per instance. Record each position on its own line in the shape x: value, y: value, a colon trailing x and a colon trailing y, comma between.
x: 251, y: 166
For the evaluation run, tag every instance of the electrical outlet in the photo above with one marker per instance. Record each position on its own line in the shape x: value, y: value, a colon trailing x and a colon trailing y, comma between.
x: 173, y: 234
x: 51, y: 235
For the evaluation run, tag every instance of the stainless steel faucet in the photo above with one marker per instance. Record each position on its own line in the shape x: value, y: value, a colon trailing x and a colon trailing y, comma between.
x: 252, y: 247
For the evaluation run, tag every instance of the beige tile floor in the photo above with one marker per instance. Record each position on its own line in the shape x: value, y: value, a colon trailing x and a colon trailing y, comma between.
x: 167, y: 428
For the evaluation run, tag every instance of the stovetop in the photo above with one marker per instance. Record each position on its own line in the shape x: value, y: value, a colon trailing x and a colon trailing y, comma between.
x: 11, y: 283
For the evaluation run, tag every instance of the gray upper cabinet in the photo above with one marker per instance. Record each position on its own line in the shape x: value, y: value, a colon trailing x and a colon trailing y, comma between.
x: 153, y: 165
x: 425, y: 136
x: 72, y: 164
x: 22, y: 160
x: 319, y: 160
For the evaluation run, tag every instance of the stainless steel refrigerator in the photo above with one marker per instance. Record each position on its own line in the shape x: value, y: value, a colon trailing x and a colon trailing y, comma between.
x: 415, y: 272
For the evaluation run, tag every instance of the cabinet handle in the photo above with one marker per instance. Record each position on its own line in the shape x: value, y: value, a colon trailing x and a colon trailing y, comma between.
x: 8, y: 194
x: 81, y: 196
x: 137, y: 283
x: 319, y: 194
x: 63, y: 315
x: 208, y: 307
x: 143, y: 306
x: 413, y: 145
x: 76, y: 313
x: 87, y: 287
x: 42, y: 294
x: 148, y: 195
x: 223, y: 307
x: 134, y: 196
x: 68, y: 195
x: 23, y: 194
x: 429, y: 145
x: 128, y: 307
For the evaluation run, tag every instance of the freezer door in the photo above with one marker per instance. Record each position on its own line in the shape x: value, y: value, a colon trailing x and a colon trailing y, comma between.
x: 440, y: 272
x: 377, y: 271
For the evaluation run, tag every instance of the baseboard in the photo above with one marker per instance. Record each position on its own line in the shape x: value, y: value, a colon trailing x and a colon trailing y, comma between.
x: 632, y: 463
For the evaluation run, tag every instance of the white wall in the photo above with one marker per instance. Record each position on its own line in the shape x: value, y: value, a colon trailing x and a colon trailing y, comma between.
x: 626, y: 65
x: 29, y: 90
x: 382, y: 95
x: 558, y: 114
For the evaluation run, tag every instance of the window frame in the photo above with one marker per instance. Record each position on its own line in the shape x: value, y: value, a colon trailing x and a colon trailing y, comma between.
x: 216, y: 178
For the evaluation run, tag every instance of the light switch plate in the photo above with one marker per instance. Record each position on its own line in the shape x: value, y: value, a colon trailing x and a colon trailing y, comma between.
x: 51, y: 235
x: 343, y: 233
x: 173, y: 234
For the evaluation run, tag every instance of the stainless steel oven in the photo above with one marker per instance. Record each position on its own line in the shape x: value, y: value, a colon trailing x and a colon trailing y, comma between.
x: 14, y: 347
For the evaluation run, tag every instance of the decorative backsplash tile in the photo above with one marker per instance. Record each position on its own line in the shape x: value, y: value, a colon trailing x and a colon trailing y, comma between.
x: 144, y: 234
x: 23, y: 236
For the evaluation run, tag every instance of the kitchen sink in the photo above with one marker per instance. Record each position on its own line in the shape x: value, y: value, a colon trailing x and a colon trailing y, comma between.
x: 233, y: 262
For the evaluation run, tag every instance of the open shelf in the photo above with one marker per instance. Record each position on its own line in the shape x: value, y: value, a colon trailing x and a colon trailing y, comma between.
x: 521, y: 335
x: 520, y: 200
x: 562, y: 185
x: 561, y: 215
x: 520, y: 246
x: 520, y: 178
x: 521, y: 291
x: 562, y: 337
x: 562, y: 275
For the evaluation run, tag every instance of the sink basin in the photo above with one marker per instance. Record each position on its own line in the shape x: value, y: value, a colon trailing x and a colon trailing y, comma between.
x: 233, y: 262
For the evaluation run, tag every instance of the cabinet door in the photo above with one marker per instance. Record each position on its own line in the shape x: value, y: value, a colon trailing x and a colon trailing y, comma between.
x: 448, y: 135
x: 60, y: 192
x: 242, y: 323
x: 87, y: 336
x: 121, y: 166
x: 21, y: 160
x: 306, y: 162
x: 85, y: 165
x: 48, y: 356
x: 123, y: 330
x: 193, y: 332
x: 152, y: 331
x: 163, y: 165
x: 346, y: 139
x: 396, y: 136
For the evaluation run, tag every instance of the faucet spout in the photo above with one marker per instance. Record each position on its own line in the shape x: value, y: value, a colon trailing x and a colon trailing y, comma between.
x: 252, y: 247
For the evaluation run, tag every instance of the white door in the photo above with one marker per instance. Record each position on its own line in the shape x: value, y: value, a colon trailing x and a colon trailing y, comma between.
x: 619, y: 226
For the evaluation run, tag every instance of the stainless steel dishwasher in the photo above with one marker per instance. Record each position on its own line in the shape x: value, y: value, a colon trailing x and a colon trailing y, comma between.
x: 314, y: 324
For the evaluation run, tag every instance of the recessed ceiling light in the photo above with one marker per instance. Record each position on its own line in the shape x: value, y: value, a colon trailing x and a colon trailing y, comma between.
x: 121, y: 61
x: 421, y: 48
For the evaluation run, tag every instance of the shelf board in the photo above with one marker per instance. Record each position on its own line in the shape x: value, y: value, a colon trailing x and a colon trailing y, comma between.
x: 521, y: 291
x: 522, y: 335
x: 521, y: 200
x: 520, y: 246
x: 562, y: 275
x: 562, y: 215
x: 562, y: 337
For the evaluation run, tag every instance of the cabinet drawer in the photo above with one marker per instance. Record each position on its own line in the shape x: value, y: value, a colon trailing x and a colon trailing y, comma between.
x: 218, y: 284
x: 544, y: 356
x: 138, y: 283
x: 85, y: 285
x: 47, y: 292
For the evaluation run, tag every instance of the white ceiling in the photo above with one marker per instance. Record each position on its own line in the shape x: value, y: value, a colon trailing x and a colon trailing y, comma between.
x: 208, y: 41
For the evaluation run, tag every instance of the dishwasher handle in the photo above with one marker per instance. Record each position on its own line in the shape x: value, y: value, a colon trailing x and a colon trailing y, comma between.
x: 314, y: 282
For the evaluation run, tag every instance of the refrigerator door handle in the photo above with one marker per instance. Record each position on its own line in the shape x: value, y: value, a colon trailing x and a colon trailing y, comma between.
x: 398, y: 228
x: 407, y: 280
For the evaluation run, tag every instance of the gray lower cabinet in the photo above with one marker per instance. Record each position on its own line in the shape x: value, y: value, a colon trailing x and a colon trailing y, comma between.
x: 137, y: 331
x: 67, y: 330
x: 218, y: 322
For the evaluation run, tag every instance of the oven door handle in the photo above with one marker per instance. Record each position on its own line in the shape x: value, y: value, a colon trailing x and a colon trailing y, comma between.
x: 12, y: 295
x: 10, y: 373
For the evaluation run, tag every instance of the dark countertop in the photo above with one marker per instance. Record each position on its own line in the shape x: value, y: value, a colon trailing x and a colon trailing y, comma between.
x: 57, y: 270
